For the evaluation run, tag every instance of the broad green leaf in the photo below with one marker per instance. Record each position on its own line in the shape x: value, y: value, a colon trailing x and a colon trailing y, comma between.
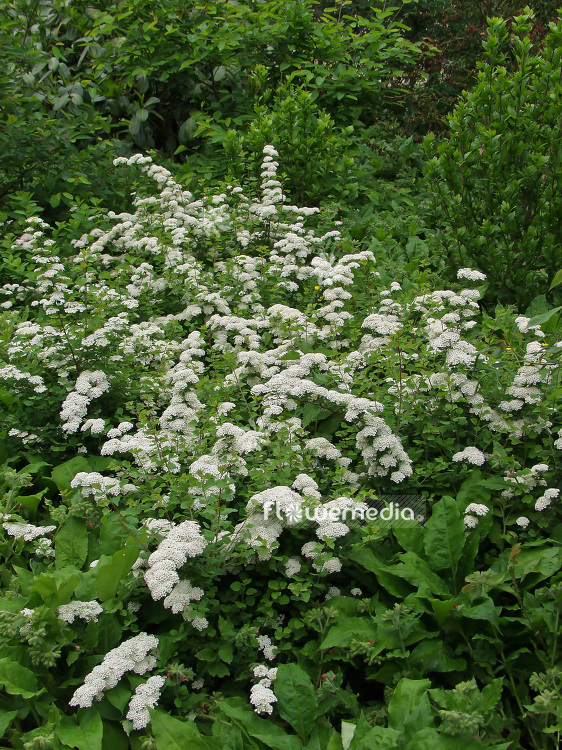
x: 335, y: 743
x: 17, y: 679
x: 483, y: 611
x: 64, y: 473
x: 348, y: 628
x: 362, y: 729
x: 270, y: 734
x: 380, y: 738
x: 297, y: 701
x: 71, y: 544
x: 490, y: 695
x: 320, y: 736
x: 118, y: 696
x: 435, y: 656
x: 444, y: 535
x: 392, y: 583
x: 110, y: 574
x: 311, y: 413
x: 417, y: 572
x: 5, y: 719
x: 173, y: 734
x: 409, y: 706
x: 58, y: 587
x: 87, y: 736
x: 286, y: 742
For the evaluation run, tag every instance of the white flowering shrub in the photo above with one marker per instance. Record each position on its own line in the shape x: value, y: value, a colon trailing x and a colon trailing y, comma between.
x: 202, y: 390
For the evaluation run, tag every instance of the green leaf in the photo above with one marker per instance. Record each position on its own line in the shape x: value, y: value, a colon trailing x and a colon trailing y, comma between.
x: 109, y: 575
x: 64, y: 473
x: 444, y: 535
x: 5, y: 720
x: 226, y: 653
x: 71, y: 544
x: 409, y: 707
x: 134, y: 126
x: 380, y: 738
x: 348, y: 628
x: 262, y: 729
x: 297, y: 701
x: 56, y: 588
x: 54, y: 200
x: 557, y: 280
x: 87, y: 736
x: 17, y: 679
x: 483, y: 611
x: 173, y: 734
x: 312, y: 413
x: 417, y: 572
x: 538, y: 320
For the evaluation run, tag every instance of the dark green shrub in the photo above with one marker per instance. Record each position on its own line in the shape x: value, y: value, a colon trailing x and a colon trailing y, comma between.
x: 496, y: 179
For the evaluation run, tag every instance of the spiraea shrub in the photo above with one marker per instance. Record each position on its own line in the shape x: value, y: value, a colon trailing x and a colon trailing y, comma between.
x: 495, y: 179
x: 199, y: 394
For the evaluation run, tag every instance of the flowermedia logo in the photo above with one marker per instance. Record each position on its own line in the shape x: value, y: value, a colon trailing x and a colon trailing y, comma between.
x: 405, y: 510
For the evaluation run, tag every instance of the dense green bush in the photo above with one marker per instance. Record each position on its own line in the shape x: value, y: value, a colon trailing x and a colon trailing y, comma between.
x: 495, y: 180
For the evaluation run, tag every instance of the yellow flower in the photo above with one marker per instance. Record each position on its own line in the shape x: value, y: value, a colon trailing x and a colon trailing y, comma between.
x: 544, y: 343
x: 317, y: 287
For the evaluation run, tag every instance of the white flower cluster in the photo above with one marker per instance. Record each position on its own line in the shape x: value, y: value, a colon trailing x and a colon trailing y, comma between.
x: 181, y: 542
x: 89, y: 385
x: 292, y: 566
x: 28, y: 531
x: 131, y: 656
x: 145, y: 696
x: 470, y: 274
x: 478, y: 509
x: 472, y: 455
x: 546, y: 498
x: 332, y: 592
x: 267, y: 647
x: 84, y: 610
x: 99, y: 487
x: 9, y: 372
x: 262, y: 696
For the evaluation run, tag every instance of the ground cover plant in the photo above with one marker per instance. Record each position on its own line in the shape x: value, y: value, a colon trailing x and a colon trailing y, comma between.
x: 174, y: 374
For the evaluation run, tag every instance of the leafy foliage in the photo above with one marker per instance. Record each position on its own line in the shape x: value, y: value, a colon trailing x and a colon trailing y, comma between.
x: 495, y: 179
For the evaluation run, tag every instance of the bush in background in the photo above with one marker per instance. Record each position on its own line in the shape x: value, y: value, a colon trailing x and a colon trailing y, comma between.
x: 496, y: 179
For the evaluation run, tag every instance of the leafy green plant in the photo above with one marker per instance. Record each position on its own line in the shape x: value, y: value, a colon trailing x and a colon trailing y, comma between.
x: 495, y: 178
